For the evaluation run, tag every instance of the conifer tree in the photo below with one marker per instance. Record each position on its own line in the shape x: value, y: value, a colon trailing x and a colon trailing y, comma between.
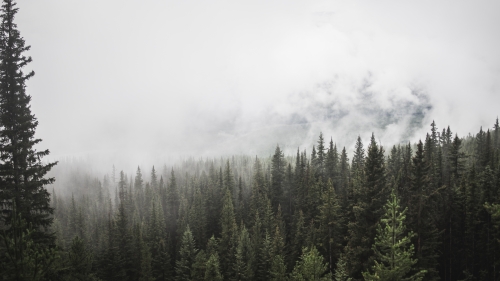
x: 139, y: 192
x: 21, y: 258
x: 80, y: 260
x: 228, y: 235
x: 320, y: 163
x: 393, y: 248
x: 341, y: 270
x: 199, y: 266
x: 122, y: 236
x: 212, y: 271
x: 344, y: 177
x: 278, y: 269
x: 146, y: 271
x: 330, y: 225
x: 187, y: 254
x: 358, y: 160
x: 278, y: 165
x: 420, y: 208
x: 22, y: 172
x: 243, y: 256
x: 331, y: 165
x: 311, y: 267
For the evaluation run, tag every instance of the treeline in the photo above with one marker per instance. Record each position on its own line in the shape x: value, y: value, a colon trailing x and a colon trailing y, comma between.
x: 316, y: 215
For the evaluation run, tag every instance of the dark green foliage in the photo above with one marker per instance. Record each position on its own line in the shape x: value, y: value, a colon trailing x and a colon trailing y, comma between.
x: 22, y: 172
x: 21, y: 257
x: 278, y: 165
x: 422, y: 220
x: 443, y: 184
x: 79, y: 261
x: 330, y: 226
x: 228, y: 236
x: 369, y: 191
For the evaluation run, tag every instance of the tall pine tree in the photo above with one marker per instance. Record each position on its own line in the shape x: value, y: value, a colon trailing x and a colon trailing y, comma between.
x: 22, y: 173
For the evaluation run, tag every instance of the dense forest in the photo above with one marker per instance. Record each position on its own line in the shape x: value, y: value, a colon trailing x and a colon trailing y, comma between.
x: 427, y: 211
x: 415, y: 211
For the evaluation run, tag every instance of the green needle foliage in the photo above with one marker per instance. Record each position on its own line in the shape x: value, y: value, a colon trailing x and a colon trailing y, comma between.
x: 311, y: 267
x: 21, y: 257
x: 393, y: 249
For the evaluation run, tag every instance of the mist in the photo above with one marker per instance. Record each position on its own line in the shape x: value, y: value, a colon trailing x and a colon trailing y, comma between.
x: 140, y: 83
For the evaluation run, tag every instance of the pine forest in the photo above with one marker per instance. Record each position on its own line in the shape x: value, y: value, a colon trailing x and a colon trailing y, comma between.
x: 428, y: 210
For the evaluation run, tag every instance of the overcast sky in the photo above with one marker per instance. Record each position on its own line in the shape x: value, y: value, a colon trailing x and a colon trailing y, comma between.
x: 165, y: 77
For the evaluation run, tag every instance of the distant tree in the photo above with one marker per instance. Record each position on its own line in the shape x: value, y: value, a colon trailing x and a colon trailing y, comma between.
x: 358, y: 160
x: 228, y: 235
x: 320, y: 163
x: 278, y: 165
x: 22, y: 172
x: 331, y: 165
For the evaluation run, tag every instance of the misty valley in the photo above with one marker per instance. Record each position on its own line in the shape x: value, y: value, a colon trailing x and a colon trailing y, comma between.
x: 423, y: 209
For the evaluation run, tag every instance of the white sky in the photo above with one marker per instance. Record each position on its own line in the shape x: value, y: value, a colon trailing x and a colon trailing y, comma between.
x: 153, y: 77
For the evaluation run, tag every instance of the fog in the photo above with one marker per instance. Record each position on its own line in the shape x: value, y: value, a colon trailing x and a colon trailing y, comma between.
x: 146, y: 81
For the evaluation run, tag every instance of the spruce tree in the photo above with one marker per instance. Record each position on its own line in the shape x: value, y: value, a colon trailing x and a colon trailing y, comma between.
x: 22, y: 172
x: 310, y: 267
x: 187, y: 254
x: 277, y: 177
x: 393, y: 248
x: 330, y: 224
x: 80, y: 260
x: 228, y: 235
x: 244, y: 256
x: 21, y: 258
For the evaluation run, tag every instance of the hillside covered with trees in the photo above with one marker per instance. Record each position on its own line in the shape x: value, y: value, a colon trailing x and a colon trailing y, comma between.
x: 312, y: 215
x: 416, y: 211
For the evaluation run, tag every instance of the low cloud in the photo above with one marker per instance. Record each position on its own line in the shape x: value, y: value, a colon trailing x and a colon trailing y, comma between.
x: 145, y: 82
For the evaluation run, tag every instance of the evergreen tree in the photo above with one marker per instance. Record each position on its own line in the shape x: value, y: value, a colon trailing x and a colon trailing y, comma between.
x: 320, y: 164
x: 358, y: 160
x: 146, y: 271
x: 277, y: 177
x: 331, y: 165
x: 22, y: 172
x: 278, y: 269
x: 330, y: 225
x: 21, y: 258
x: 199, y: 266
x: 311, y: 267
x: 341, y: 271
x: 228, y: 235
x: 212, y: 271
x: 393, y: 248
x: 187, y: 254
x: 421, y: 218
x: 243, y: 257
x: 80, y: 261
x: 123, y: 237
